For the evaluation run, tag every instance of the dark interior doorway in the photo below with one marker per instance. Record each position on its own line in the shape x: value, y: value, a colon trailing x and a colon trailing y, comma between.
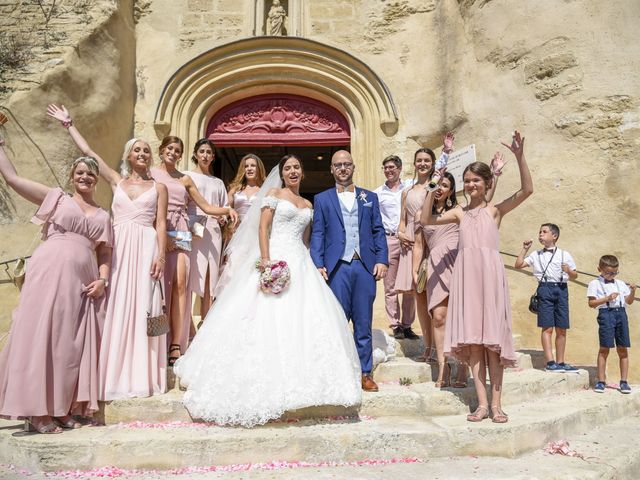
x: 316, y: 162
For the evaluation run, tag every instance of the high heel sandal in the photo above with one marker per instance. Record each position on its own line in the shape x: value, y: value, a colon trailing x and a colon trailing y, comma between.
x: 445, y: 369
x: 49, y: 428
x: 498, y: 416
x: 174, y: 347
x: 457, y: 383
x: 480, y: 414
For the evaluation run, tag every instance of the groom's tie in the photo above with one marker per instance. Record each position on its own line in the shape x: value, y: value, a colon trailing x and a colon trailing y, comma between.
x: 349, y: 188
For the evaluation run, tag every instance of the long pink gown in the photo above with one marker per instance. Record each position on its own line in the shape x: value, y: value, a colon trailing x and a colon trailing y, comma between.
x: 413, y: 204
x: 206, y: 252
x: 442, y: 242
x: 177, y: 220
x: 479, y: 310
x: 132, y: 364
x: 50, y: 363
x: 242, y: 203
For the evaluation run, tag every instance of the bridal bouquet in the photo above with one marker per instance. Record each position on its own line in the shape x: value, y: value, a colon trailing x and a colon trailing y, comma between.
x: 274, y: 277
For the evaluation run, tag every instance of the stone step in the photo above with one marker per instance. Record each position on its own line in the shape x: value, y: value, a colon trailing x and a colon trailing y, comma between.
x: 418, y: 399
x: 530, y: 427
x: 398, y: 368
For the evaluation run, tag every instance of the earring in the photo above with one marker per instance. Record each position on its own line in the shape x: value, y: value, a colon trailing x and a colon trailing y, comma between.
x: 449, y: 203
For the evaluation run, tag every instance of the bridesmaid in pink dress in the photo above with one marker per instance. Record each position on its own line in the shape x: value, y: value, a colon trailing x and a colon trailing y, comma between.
x: 246, y: 183
x: 176, y: 274
x: 131, y: 363
x: 49, y: 367
x: 206, y: 252
x: 412, y: 201
x: 478, y: 322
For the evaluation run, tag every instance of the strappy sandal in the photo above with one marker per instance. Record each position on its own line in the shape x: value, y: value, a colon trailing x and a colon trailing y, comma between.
x: 480, y: 414
x: 174, y: 347
x: 498, y: 416
x: 445, y: 368
x: 67, y: 422
x: 49, y: 428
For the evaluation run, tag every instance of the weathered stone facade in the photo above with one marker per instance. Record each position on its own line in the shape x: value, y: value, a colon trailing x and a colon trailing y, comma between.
x: 563, y: 72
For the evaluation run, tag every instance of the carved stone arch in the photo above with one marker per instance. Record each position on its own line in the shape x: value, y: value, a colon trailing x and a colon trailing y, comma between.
x: 296, y: 66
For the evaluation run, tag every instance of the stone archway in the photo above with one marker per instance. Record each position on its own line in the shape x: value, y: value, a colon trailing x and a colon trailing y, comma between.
x: 296, y: 66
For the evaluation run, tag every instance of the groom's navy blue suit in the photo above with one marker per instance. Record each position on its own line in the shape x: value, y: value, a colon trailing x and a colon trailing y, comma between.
x: 348, y: 244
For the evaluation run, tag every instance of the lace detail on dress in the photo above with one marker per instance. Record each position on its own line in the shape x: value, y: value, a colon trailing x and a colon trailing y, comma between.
x: 270, y: 202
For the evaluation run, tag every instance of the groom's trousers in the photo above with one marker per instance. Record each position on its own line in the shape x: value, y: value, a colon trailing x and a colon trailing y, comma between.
x: 355, y: 288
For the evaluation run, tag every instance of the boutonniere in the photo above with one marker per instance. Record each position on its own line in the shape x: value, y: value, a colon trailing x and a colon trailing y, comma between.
x: 362, y: 196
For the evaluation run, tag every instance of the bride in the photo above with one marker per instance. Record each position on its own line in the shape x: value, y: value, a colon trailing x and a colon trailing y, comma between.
x: 258, y: 355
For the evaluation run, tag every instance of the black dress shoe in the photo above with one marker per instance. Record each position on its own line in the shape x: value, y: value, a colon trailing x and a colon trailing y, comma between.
x: 398, y: 333
x: 410, y: 334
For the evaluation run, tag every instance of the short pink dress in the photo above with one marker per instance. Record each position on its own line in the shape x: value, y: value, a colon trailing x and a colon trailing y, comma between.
x: 50, y: 363
x: 206, y: 252
x: 177, y: 220
x: 412, y: 205
x: 479, y: 310
x: 242, y: 203
x: 442, y: 242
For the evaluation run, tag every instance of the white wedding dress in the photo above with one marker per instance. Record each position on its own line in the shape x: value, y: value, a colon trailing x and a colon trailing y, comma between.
x: 259, y: 355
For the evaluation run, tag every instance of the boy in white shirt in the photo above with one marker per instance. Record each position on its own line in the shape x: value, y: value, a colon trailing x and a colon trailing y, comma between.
x: 553, y: 268
x: 610, y: 297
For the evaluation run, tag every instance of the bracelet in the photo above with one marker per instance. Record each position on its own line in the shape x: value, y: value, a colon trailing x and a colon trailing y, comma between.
x: 67, y: 123
x: 161, y: 260
x: 105, y: 281
x: 496, y: 173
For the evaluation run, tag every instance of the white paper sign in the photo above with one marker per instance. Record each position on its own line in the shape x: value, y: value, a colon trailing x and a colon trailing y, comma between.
x: 458, y: 161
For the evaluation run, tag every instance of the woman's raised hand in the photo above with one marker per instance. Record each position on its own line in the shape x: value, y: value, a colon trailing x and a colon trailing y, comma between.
x: 517, y: 145
x: 448, y: 142
x: 59, y: 113
x: 497, y: 163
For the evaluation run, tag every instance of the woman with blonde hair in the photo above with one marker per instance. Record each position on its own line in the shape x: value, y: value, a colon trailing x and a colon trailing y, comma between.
x: 131, y: 363
x: 49, y: 367
x: 248, y: 180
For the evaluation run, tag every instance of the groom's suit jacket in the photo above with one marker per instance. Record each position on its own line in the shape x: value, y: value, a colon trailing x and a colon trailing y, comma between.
x: 328, y: 233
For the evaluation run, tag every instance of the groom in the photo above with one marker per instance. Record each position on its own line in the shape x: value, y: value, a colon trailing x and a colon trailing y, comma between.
x: 349, y: 248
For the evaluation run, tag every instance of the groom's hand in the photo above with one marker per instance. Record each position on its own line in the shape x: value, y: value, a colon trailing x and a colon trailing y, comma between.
x: 379, y: 271
x: 323, y: 272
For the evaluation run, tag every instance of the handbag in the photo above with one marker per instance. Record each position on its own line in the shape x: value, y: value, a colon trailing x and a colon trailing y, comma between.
x: 197, y: 224
x: 159, y: 324
x: 421, y: 281
x: 181, y: 239
x: 534, y: 300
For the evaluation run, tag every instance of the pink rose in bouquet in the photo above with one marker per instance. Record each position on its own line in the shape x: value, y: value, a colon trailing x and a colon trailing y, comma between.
x: 274, y: 277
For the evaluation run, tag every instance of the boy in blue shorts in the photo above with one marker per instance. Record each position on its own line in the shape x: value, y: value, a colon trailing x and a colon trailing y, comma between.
x: 610, y: 297
x: 553, y: 268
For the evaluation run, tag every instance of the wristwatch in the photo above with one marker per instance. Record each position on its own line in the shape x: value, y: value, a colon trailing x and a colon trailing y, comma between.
x: 105, y: 281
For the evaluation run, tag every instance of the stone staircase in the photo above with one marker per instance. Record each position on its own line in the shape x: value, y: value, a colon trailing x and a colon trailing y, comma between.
x: 401, y: 421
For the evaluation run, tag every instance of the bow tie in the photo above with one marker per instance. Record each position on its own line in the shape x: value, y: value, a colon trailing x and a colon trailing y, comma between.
x: 609, y: 281
x: 349, y: 188
x: 551, y: 250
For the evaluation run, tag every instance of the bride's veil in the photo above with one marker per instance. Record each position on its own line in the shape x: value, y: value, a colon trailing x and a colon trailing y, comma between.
x: 244, y: 248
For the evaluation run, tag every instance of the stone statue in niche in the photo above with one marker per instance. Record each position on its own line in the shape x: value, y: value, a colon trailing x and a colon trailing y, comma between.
x: 276, y: 20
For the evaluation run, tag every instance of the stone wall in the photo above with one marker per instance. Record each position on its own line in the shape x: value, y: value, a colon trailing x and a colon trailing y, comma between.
x: 563, y: 72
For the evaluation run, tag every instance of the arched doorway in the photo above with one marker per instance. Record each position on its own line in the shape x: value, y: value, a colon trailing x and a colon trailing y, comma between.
x: 282, y: 65
x: 273, y: 125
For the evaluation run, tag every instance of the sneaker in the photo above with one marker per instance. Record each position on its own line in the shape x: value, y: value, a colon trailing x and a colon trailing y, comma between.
x: 624, y: 387
x: 567, y: 368
x: 398, y: 333
x: 599, y: 388
x: 410, y: 334
x: 554, y: 367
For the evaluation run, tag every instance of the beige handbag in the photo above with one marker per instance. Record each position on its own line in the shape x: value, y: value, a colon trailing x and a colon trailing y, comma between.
x: 421, y: 281
x: 18, y: 272
x: 159, y: 324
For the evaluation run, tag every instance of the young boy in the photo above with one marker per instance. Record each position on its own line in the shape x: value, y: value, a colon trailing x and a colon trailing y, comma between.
x: 610, y: 296
x: 553, y: 268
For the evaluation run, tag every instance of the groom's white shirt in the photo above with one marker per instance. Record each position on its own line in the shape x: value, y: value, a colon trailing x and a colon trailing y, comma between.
x: 347, y: 199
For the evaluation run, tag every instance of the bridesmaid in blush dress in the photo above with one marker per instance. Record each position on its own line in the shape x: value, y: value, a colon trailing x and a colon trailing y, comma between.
x: 49, y: 367
x: 478, y: 322
x: 131, y: 363
x: 180, y: 189
x: 206, y: 252
x: 412, y: 200
x: 246, y: 183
